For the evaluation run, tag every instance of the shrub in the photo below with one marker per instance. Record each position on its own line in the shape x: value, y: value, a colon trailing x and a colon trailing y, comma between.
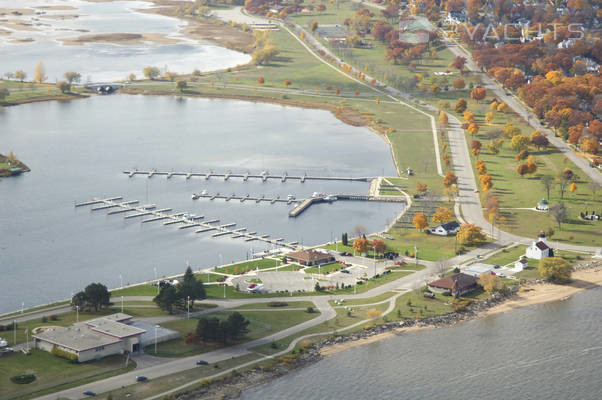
x: 54, y: 317
x: 44, y: 319
x: 64, y: 354
x: 277, y: 304
x: 310, y: 310
x: 23, y: 379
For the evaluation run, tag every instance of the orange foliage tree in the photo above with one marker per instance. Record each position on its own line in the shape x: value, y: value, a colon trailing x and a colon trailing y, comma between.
x: 420, y: 221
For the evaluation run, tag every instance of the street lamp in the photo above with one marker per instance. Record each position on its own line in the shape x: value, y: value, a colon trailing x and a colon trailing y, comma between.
x: 22, y: 307
x: 120, y: 281
x: 188, y: 307
x: 156, y: 327
x: 76, y: 313
x: 415, y: 255
x: 122, y: 304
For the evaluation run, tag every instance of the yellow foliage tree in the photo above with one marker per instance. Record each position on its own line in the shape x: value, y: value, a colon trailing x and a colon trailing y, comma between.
x: 555, y: 269
x: 491, y: 283
x: 373, y: 313
x: 360, y: 245
x: 443, y: 119
x: 489, y: 117
x: 473, y: 128
x: 471, y: 234
x: 39, y: 73
x: 443, y: 214
x: 420, y: 221
x: 573, y: 187
x: 502, y: 107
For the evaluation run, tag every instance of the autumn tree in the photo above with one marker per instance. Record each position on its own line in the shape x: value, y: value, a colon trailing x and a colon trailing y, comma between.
x: 495, y: 145
x: 63, y: 86
x: 39, y: 73
x: 420, y: 221
x: 265, y: 54
x: 473, y: 129
x: 378, y: 245
x: 421, y: 187
x: 287, y: 83
x: 503, y: 107
x: 72, y: 77
x: 450, y: 179
x: 519, y: 142
x: 443, y: 119
x: 555, y: 269
x: 313, y: 26
x: 573, y: 187
x: 540, y: 141
x: 589, y: 144
x: 522, y: 169
x: 486, y: 182
x: 151, y: 73
x: 20, y: 75
x: 459, y: 84
x: 460, y: 106
x: 481, y: 167
x: 522, y: 155
x: 478, y: 94
x: 459, y: 63
x: 443, y: 214
x: 531, y: 165
x: 510, y: 130
x: 489, y: 117
x: 470, y: 234
x: 491, y: 283
x: 360, y: 245
x: 260, y: 80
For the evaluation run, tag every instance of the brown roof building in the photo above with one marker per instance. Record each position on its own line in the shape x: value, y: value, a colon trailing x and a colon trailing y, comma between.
x: 456, y: 284
x: 310, y: 257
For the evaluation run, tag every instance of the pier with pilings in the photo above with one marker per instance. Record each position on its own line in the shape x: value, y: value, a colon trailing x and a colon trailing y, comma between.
x: 245, y: 176
x: 184, y: 219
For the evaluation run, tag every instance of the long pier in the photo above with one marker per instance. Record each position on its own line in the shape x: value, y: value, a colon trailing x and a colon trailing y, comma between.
x: 187, y: 220
x: 264, y: 176
x: 244, y: 198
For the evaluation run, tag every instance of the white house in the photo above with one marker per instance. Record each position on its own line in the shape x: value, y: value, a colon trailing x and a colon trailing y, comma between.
x: 520, y: 264
x: 446, y: 229
x: 543, y: 205
x: 539, y: 249
x: 478, y: 269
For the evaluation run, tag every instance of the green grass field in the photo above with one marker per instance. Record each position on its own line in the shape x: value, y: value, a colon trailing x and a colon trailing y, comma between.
x: 52, y: 373
x: 263, y: 323
x: 249, y: 266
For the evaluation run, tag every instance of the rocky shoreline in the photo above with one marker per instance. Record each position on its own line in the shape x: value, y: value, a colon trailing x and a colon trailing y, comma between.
x: 232, y: 385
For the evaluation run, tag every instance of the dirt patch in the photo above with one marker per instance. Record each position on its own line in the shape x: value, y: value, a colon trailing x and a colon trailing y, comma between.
x: 119, y: 38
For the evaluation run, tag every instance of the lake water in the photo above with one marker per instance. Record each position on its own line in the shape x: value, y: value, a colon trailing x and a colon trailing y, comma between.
x: 550, y: 351
x: 78, y: 149
x: 99, y: 62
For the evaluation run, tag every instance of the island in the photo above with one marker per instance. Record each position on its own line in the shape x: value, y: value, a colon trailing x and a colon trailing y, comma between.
x: 10, y: 165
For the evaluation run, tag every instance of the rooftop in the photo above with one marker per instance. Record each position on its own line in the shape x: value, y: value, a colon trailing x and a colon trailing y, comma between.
x: 77, y: 337
x: 462, y: 281
x: 113, y: 328
x: 309, y: 255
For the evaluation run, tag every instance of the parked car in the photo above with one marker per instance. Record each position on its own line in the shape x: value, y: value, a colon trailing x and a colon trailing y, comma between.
x: 496, y: 266
x: 202, y: 362
x: 345, y: 271
x: 346, y: 254
x: 141, y: 378
x: 89, y: 393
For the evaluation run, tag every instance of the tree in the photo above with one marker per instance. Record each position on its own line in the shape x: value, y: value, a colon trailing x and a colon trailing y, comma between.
x: 236, y: 325
x: 589, y: 144
x: 473, y: 129
x: 421, y: 187
x: 459, y: 63
x: 97, y: 295
x: 181, y: 85
x: 287, y: 83
x: 72, y: 77
x: 443, y: 119
x: 559, y: 212
x: 378, y: 245
x: 20, y: 75
x: 522, y: 169
x: 494, y: 146
x: 420, y: 221
x: 373, y: 313
x: 39, y: 73
x: 151, y: 72
x: 491, y: 283
x: 486, y: 182
x: 131, y: 77
x: 4, y: 93
x: 540, y: 141
x: 478, y: 93
x: 260, y: 80
x: 313, y: 26
x: 547, y: 182
x: 207, y: 328
x: 555, y: 269
x: 470, y: 234
x: 80, y: 300
x: 459, y: 84
x: 519, y: 142
x: 191, y: 287
x: 573, y: 187
x: 502, y: 107
x: 460, y: 106
x: 345, y: 239
x: 531, y: 165
x: 489, y: 117
x: 443, y: 214
x: 360, y: 245
x: 521, y: 155
x: 167, y: 298
x: 265, y: 55
x: 564, y: 179
x: 63, y: 86
x: 450, y: 179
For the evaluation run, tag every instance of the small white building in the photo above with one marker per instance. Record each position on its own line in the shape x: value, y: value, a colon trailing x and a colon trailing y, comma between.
x: 520, y: 264
x: 539, y: 249
x: 446, y: 229
x: 478, y: 269
x: 543, y: 205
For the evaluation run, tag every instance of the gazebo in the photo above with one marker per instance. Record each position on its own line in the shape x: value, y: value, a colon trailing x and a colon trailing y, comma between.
x: 543, y: 205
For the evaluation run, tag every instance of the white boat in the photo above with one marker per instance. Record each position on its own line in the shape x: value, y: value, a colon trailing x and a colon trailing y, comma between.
x: 290, y: 197
x: 204, y: 192
x: 330, y: 198
x: 3, y: 343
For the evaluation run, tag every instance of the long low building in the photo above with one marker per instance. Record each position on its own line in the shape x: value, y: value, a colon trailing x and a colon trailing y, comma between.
x: 93, y: 339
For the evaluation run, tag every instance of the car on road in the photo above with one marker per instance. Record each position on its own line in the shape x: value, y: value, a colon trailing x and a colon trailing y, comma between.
x: 202, y: 362
x: 496, y: 266
x: 345, y: 254
x: 89, y: 393
x: 141, y: 379
x: 345, y: 271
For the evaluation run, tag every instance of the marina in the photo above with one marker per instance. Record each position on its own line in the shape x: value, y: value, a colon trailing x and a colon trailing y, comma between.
x: 187, y: 220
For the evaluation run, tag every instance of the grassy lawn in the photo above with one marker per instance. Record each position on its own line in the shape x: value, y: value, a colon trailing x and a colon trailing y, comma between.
x: 290, y: 304
x: 263, y: 323
x: 52, y: 373
x: 290, y: 267
x: 249, y: 266
x: 430, y: 247
x: 324, y: 269
x: 508, y: 256
x: 138, y: 290
x: 360, y: 302
x: 414, y: 304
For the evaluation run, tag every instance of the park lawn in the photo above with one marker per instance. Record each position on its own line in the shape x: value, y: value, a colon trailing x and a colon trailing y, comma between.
x: 507, y: 256
x: 52, y: 373
x: 144, y: 390
x: 289, y: 304
x: 262, y: 323
x: 415, y: 305
x: 363, y: 302
x: 430, y: 247
x: 371, y: 284
x: 324, y: 269
x: 22, y: 92
x: 528, y: 274
x: 334, y: 14
x: 290, y: 267
x: 37, y: 308
x: 137, y: 290
x: 262, y: 263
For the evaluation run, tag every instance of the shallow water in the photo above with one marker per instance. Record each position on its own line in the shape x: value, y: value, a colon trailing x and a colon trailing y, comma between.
x: 99, y: 62
x: 78, y: 149
x: 549, y: 351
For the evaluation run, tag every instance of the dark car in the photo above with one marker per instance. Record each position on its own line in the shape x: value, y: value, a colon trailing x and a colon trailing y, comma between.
x: 346, y: 254
x: 141, y: 379
x: 345, y: 271
x: 202, y: 362
x: 89, y: 393
x: 496, y: 266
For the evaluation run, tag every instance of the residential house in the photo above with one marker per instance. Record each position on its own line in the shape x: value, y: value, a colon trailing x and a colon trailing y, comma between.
x: 456, y: 284
x: 446, y: 229
x: 311, y: 257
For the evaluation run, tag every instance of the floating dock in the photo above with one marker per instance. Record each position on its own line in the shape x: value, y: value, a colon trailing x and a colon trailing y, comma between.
x: 264, y: 176
x: 187, y: 220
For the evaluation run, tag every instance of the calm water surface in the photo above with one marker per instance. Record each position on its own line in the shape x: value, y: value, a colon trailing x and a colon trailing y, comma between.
x: 550, y: 351
x: 78, y: 149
